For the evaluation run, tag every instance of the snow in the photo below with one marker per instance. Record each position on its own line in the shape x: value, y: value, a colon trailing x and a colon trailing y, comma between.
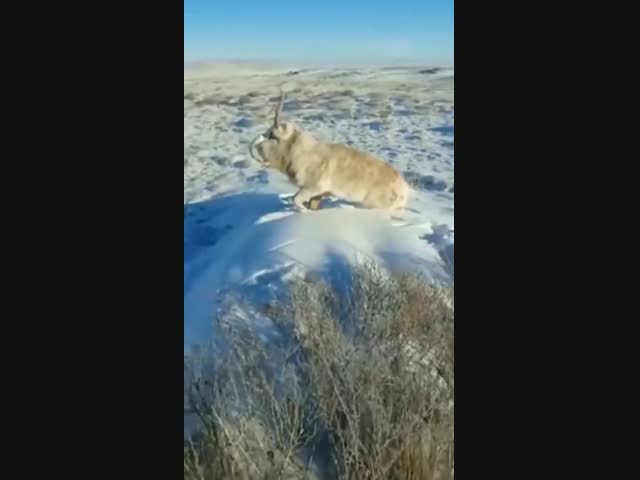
x: 241, y: 233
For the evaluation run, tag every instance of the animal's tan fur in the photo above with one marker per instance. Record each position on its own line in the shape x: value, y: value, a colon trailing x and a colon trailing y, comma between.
x: 320, y: 169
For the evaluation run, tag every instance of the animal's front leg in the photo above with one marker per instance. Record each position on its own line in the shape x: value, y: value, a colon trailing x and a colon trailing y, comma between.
x: 303, y: 196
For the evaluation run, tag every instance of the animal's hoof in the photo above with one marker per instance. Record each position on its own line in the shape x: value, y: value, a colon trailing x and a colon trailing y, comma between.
x: 314, y: 204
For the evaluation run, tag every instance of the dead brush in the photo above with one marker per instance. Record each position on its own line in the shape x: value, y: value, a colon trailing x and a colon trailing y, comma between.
x: 367, y: 375
x: 252, y: 415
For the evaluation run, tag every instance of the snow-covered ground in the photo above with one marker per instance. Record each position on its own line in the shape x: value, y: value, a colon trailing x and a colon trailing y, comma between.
x: 241, y: 233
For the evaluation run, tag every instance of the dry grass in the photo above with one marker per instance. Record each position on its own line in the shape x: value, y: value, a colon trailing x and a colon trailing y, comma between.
x: 360, y: 386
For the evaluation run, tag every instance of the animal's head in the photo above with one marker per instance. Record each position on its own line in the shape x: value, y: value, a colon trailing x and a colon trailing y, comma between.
x: 272, y: 148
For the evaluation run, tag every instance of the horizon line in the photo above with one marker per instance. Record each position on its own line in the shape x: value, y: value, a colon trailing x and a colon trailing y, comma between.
x: 396, y: 62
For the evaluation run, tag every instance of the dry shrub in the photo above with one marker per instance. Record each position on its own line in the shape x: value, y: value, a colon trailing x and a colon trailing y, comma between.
x: 253, y: 424
x: 359, y: 386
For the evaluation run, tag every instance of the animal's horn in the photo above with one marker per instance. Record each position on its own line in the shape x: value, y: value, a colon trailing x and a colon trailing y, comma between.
x: 276, y: 120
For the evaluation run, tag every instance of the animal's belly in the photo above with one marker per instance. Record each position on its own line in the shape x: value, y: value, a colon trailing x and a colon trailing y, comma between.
x: 350, y: 194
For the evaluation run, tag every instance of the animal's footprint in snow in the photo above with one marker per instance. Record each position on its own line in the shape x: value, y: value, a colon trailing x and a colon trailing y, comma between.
x: 260, y: 177
x: 241, y: 164
x: 442, y: 239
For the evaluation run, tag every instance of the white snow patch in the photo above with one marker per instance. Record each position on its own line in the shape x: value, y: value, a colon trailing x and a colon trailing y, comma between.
x: 241, y: 232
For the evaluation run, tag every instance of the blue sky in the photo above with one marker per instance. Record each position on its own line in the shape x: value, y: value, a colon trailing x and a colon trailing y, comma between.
x: 324, y: 31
